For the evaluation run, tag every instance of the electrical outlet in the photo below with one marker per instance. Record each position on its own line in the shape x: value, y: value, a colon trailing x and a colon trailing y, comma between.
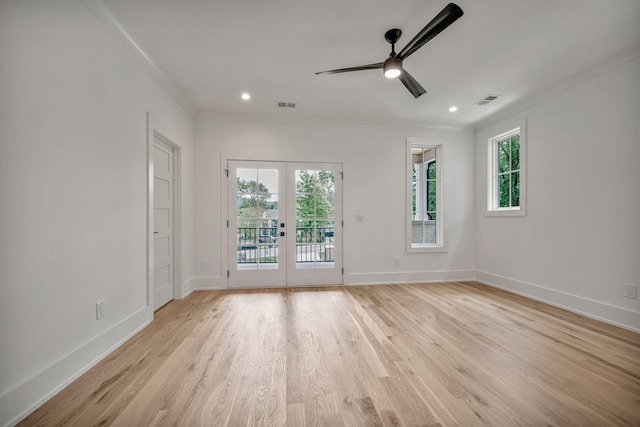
x: 203, y: 265
x: 396, y: 262
x: 100, y: 310
x: 359, y: 218
x: 630, y: 291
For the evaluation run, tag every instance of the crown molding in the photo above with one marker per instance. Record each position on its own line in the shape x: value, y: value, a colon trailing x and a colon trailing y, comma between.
x: 599, y: 68
x: 331, y: 121
x: 102, y: 13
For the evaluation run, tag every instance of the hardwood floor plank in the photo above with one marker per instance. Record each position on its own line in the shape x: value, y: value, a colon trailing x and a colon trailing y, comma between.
x: 441, y: 354
x: 295, y: 415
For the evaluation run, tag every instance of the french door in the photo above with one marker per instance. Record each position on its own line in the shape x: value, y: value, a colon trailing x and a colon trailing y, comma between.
x: 285, y: 224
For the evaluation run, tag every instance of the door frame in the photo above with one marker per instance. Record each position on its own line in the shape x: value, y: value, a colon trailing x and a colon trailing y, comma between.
x: 269, y: 156
x: 154, y: 130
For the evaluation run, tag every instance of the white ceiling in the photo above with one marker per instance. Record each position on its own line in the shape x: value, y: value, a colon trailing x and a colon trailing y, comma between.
x: 214, y: 50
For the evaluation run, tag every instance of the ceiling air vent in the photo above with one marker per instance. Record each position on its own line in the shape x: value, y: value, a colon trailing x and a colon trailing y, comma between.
x: 487, y: 99
x: 286, y: 104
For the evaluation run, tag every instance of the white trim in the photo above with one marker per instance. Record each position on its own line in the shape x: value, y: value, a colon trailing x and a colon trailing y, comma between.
x: 271, y: 156
x: 396, y: 278
x: 150, y: 227
x: 209, y: 283
x: 220, y: 282
x: 24, y: 398
x: 350, y: 121
x: 187, y: 288
x: 177, y: 222
x: 354, y: 279
x: 607, y: 313
x: 113, y: 24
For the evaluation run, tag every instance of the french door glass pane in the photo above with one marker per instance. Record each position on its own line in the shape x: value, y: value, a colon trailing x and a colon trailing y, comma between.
x: 257, y: 218
x: 268, y: 180
x: 315, y: 217
x: 326, y: 181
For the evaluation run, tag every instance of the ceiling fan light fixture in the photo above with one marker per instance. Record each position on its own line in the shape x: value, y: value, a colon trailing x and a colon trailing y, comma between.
x: 392, y: 68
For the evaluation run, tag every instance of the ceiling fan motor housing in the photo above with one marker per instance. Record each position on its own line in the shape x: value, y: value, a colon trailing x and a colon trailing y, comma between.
x: 392, y: 66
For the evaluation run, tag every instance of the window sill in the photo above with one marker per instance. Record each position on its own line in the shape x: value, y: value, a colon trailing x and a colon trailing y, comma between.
x: 426, y: 249
x: 507, y: 212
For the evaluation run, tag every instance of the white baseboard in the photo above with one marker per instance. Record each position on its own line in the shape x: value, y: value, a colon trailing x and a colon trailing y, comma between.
x: 607, y: 313
x: 402, y: 277
x: 209, y: 283
x: 21, y: 400
x: 187, y: 288
x: 217, y: 283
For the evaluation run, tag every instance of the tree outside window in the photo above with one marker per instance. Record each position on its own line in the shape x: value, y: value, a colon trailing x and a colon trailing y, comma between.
x: 508, y: 153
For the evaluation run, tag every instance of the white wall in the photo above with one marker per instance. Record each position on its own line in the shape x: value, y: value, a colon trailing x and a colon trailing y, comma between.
x: 73, y: 191
x: 580, y: 240
x: 374, y: 186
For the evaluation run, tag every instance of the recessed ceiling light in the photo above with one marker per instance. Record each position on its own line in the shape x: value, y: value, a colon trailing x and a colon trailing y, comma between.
x: 453, y: 109
x: 245, y: 96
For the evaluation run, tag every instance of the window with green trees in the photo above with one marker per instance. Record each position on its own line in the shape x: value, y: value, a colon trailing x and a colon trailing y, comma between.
x: 506, y: 166
x: 508, y: 173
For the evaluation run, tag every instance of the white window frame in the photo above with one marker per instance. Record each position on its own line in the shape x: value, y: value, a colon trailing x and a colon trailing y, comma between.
x: 498, y: 134
x: 438, y: 145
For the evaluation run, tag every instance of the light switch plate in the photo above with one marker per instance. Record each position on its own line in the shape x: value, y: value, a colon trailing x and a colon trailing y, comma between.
x: 100, y: 310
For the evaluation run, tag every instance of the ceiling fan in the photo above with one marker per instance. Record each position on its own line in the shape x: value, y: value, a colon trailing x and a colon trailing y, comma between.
x: 392, y: 66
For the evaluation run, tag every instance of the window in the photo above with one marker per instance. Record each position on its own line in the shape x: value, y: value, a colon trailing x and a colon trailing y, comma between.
x: 424, y: 169
x: 506, y: 166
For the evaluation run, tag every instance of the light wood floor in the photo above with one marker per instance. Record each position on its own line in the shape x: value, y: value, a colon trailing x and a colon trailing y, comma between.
x: 434, y: 354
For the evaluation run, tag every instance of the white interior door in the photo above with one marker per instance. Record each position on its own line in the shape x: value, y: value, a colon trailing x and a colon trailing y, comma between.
x: 285, y: 224
x: 162, y: 223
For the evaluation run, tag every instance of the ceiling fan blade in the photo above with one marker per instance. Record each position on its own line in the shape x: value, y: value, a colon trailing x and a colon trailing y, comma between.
x: 446, y: 17
x: 360, y: 68
x: 410, y: 83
